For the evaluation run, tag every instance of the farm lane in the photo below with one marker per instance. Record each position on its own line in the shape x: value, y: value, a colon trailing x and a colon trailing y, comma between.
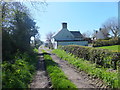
x: 81, y: 80
x: 40, y: 80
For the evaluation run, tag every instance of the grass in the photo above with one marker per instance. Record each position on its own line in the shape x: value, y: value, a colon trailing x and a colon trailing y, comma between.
x: 114, y: 48
x: 58, y: 78
x: 110, y: 78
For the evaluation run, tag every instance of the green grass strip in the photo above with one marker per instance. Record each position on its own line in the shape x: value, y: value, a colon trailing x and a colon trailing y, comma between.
x: 58, y: 78
x: 110, y: 78
x: 114, y: 48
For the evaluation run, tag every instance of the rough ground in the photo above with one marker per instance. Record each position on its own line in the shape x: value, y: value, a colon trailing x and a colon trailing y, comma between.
x: 40, y: 80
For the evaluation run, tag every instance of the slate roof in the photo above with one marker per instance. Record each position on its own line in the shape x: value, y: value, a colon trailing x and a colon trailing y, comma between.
x: 76, y: 34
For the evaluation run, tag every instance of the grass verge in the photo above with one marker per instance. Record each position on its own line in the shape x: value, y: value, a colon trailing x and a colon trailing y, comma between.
x: 114, y: 48
x: 110, y: 78
x: 58, y: 78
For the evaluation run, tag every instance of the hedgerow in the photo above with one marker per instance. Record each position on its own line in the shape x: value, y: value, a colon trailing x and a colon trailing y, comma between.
x: 35, y: 50
x: 100, y: 42
x: 57, y: 76
x: 18, y: 74
x: 101, y: 57
x: 110, y: 78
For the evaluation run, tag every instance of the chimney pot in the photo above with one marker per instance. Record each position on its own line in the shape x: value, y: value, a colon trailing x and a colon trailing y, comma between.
x: 64, y: 25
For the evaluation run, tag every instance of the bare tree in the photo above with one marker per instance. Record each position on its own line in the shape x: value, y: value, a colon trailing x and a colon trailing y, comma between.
x: 112, y: 25
x: 49, y: 39
x: 105, y: 32
x: 86, y: 34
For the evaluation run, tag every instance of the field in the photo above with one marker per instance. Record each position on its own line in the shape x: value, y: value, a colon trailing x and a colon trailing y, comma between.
x: 115, y: 48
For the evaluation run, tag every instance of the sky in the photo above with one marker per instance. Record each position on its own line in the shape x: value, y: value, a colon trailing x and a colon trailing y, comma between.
x: 79, y: 16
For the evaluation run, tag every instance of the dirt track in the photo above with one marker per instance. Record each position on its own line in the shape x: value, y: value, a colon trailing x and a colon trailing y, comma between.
x: 80, y: 79
x: 41, y: 79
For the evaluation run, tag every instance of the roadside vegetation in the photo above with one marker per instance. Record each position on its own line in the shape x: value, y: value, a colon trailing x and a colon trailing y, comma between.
x: 20, y: 73
x: 19, y: 57
x: 110, y: 78
x: 57, y: 76
x: 35, y: 50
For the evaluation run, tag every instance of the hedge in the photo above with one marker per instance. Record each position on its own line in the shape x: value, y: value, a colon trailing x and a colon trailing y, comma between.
x: 110, y: 79
x: 101, y: 57
x: 100, y: 42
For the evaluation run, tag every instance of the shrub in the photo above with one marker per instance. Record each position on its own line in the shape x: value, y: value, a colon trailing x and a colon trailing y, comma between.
x: 100, y: 42
x: 35, y: 50
x: 19, y: 73
x: 101, y: 57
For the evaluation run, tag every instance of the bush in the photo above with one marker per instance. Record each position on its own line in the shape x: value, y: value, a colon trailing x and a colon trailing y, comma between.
x: 35, y: 50
x: 101, y: 57
x: 100, y: 42
x: 19, y: 74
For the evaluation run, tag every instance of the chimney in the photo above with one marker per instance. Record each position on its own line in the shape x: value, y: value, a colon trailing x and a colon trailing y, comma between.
x: 64, y: 25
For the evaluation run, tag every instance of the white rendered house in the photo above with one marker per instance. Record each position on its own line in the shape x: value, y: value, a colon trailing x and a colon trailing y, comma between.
x: 66, y: 37
x: 100, y: 34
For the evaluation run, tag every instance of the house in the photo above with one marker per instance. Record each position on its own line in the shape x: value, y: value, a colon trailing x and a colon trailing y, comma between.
x: 66, y: 37
x: 100, y: 34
